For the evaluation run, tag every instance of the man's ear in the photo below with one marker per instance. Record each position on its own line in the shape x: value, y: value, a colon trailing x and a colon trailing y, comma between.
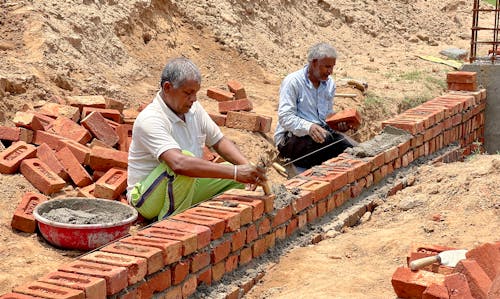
x: 167, y: 86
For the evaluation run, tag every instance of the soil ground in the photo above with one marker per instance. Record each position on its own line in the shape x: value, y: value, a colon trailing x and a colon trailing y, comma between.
x: 51, y: 49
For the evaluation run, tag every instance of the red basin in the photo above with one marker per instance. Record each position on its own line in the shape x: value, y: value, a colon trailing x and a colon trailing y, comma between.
x: 83, y: 236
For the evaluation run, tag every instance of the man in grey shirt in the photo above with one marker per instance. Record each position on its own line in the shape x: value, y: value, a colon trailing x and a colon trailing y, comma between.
x: 306, y: 100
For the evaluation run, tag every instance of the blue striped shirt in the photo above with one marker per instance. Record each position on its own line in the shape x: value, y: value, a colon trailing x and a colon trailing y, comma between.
x: 301, y: 104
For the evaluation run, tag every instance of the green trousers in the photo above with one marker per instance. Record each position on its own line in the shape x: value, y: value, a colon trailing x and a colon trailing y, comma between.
x: 164, y: 193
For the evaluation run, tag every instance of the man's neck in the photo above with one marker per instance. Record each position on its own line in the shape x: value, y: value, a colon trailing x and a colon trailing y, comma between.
x: 181, y: 116
x: 315, y: 82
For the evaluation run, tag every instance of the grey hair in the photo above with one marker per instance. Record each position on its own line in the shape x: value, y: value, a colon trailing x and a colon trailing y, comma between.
x: 320, y: 51
x: 179, y: 70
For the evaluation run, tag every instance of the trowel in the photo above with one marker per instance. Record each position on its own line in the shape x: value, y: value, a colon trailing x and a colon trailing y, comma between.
x: 448, y: 258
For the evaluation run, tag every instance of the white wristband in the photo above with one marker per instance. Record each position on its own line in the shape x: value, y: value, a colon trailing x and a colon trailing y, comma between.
x: 235, y: 173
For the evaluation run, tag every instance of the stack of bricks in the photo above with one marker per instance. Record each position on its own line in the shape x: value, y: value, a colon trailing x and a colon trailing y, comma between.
x: 466, y: 81
x: 81, y: 142
x: 235, y: 107
x: 202, y: 244
x: 477, y: 276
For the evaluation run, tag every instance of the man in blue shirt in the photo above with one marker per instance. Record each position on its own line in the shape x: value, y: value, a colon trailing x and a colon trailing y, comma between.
x: 306, y: 100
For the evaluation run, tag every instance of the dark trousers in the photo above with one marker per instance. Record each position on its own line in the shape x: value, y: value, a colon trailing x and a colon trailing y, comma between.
x: 295, y: 147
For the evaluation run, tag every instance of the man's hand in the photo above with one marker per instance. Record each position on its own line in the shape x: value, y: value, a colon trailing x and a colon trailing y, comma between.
x: 343, y: 126
x: 317, y: 133
x: 250, y: 174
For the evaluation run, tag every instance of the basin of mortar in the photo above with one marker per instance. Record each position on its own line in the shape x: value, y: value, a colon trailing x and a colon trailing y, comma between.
x: 83, y: 223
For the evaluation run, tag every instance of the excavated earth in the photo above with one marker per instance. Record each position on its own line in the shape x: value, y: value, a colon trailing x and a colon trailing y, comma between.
x: 51, y: 49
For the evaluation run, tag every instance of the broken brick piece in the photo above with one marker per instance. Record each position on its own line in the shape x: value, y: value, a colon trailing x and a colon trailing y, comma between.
x: 23, y: 218
x: 55, y: 110
x: 237, y: 88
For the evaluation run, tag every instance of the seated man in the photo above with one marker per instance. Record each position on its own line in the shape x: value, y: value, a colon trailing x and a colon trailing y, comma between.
x: 166, y: 172
x: 306, y: 100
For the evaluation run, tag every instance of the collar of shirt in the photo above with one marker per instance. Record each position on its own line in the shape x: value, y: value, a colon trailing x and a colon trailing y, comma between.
x: 174, y: 118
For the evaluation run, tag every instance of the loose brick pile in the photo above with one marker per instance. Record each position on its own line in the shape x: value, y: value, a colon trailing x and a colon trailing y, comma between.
x: 478, y: 276
x: 235, y: 107
x: 200, y: 245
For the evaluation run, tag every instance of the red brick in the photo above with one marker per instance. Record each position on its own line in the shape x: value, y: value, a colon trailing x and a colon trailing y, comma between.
x: 87, y: 191
x: 488, y: 257
x: 189, y: 286
x: 112, y: 184
x: 41, y: 177
x: 218, y: 270
x: 124, y: 132
x: 188, y: 240
x: 16, y: 134
x: 171, y: 249
x: 215, y: 225
x: 263, y: 226
x: 247, y: 285
x: 259, y: 247
x: 281, y: 215
x: 54, y: 110
x: 291, y: 227
x: 11, y: 157
x: 243, y: 120
x: 409, y: 284
x: 350, y: 116
x: 435, y: 291
x: 202, y: 232
x: 76, y: 171
x: 479, y: 282
x: 231, y: 263
x: 32, y: 120
x: 412, y: 126
x: 97, y: 125
x: 245, y: 255
x: 220, y: 251
x: 219, y: 119
x: 303, y: 201
x: 238, y: 239
x: 80, y: 151
x: 237, y: 89
x: 457, y: 286
x: 219, y: 94
x: 257, y: 205
x: 137, y: 267
x: 156, y: 282
x: 179, y: 271
x: 67, y: 128
x: 494, y: 291
x: 320, y: 189
x: 252, y: 233
x: 111, y: 114
x: 265, y: 123
x: 92, y: 287
x: 337, y: 179
x: 244, y: 211
x: 268, y: 200
x: 47, y: 290
x: 461, y: 77
x: 174, y: 292
x: 231, y: 219
x: 23, y: 218
x: 96, y: 101
x: 154, y: 256
x: 302, y: 220
x: 199, y: 261
x: 48, y: 156
x: 17, y: 296
x: 205, y: 276
x: 102, y: 158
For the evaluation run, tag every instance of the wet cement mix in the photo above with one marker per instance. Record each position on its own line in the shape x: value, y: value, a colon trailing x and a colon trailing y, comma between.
x: 85, y: 211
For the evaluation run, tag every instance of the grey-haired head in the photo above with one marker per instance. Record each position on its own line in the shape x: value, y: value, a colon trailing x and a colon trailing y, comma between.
x: 179, y: 70
x: 320, y: 51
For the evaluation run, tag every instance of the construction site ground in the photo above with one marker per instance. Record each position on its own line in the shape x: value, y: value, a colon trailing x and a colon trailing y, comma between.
x: 61, y: 48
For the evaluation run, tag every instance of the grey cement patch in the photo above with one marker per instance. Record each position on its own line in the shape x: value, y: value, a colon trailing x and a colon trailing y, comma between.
x: 390, y: 137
